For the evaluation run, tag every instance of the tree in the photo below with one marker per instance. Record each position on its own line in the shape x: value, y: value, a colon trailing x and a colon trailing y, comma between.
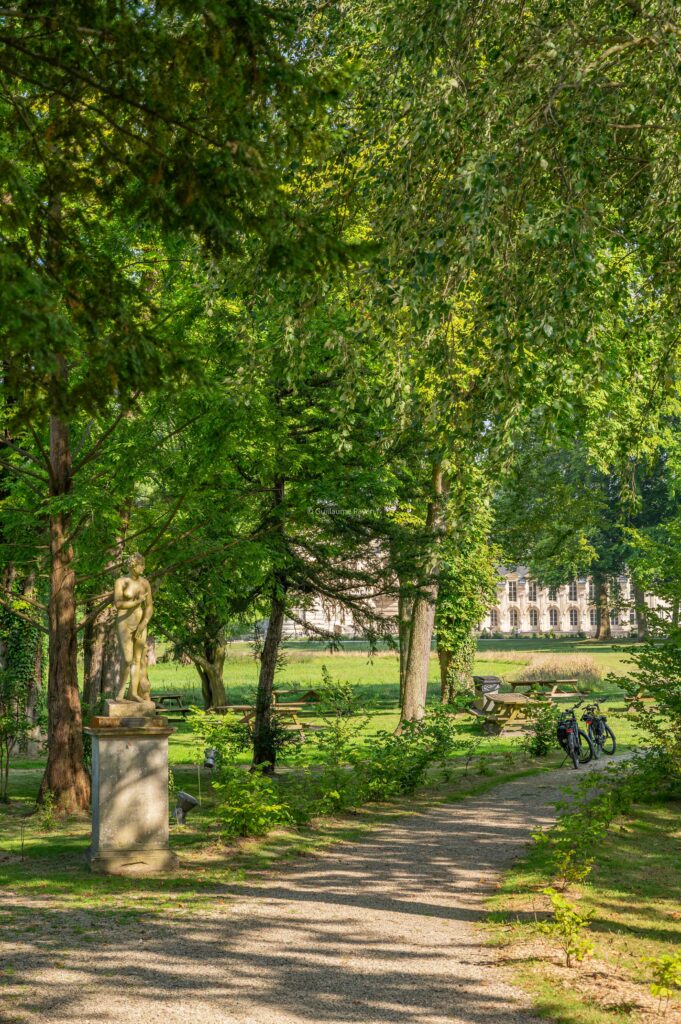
x: 120, y: 123
x: 467, y: 583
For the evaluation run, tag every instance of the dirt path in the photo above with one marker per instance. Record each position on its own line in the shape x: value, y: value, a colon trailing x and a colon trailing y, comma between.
x: 382, y: 930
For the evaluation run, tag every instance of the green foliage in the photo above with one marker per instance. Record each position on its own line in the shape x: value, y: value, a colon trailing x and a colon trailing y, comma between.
x: 250, y: 804
x: 568, y: 927
x: 666, y: 971
x: 46, y: 812
x: 224, y: 733
x: 654, y: 687
x: 542, y: 735
x: 18, y: 640
x: 584, y: 820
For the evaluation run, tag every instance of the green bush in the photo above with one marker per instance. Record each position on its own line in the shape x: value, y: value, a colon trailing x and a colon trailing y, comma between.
x: 542, y: 735
x: 250, y: 805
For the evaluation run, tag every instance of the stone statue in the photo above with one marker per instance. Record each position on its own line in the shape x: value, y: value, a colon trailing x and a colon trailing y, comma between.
x: 134, y: 607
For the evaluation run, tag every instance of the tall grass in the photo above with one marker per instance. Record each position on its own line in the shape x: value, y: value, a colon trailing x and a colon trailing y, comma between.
x: 581, y: 667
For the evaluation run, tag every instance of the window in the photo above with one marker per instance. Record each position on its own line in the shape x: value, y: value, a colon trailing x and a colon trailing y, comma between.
x: 553, y: 616
x: 512, y: 590
x: 513, y: 616
x: 593, y: 617
x: 553, y: 593
x: 534, y: 616
x: 614, y: 618
x: 592, y: 591
x: 632, y: 615
x: 572, y: 591
x: 494, y: 618
x: 574, y: 617
x: 532, y: 592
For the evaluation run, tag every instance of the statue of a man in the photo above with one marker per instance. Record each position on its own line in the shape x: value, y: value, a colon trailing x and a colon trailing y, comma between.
x: 134, y: 607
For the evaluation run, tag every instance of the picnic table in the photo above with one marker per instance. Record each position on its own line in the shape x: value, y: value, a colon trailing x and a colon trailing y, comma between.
x: 548, y: 689
x: 288, y: 715
x: 172, y: 704
x: 504, y: 711
x: 305, y: 696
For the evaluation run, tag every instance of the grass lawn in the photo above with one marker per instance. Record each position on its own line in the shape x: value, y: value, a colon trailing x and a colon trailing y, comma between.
x: 377, y: 676
x: 634, y: 893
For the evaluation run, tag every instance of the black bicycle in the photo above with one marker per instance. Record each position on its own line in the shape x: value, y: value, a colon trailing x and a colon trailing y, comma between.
x: 572, y: 739
x: 601, y: 735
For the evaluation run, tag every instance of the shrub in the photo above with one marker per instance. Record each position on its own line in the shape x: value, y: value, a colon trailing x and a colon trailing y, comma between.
x: 250, y: 805
x: 567, y: 927
x: 542, y: 736
x: 666, y: 971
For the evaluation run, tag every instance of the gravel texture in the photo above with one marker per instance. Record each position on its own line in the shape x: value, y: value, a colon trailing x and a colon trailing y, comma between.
x: 380, y: 931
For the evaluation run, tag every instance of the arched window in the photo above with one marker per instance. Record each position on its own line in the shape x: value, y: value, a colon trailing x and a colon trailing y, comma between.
x: 553, y: 616
x: 514, y: 618
x: 494, y: 618
x: 574, y: 617
x: 593, y: 617
x: 534, y: 617
x: 553, y: 593
x: 512, y: 590
x: 531, y: 591
x: 572, y: 591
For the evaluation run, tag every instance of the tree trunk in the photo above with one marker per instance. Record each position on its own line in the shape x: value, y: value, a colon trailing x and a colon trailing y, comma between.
x: 603, y: 630
x: 405, y: 606
x: 423, y: 615
x: 264, y: 750
x: 211, y: 668
x: 445, y: 659
x: 640, y: 608
x: 101, y: 659
x: 65, y: 776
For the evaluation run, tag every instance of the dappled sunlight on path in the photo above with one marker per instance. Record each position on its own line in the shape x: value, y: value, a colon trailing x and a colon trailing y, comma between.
x: 381, y: 930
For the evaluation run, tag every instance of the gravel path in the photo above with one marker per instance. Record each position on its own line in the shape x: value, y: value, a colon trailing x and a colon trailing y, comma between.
x: 381, y: 930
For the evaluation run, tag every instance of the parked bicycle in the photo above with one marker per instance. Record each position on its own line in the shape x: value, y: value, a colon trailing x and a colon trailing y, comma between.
x: 572, y: 739
x: 601, y: 735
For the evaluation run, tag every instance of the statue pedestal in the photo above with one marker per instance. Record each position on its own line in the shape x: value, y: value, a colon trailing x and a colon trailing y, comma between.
x: 130, y: 795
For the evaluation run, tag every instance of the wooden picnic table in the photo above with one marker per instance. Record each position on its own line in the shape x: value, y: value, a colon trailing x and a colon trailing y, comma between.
x: 288, y: 714
x: 171, y: 703
x: 501, y: 711
x: 546, y: 689
x: 306, y: 696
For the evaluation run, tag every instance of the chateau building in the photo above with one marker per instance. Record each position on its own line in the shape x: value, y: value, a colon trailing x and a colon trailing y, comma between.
x: 523, y: 607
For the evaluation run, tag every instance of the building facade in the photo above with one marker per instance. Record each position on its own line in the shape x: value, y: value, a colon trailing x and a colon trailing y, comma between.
x: 523, y: 607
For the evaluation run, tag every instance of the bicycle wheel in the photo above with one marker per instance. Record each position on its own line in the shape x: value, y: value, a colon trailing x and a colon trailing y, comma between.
x: 586, y: 748
x: 609, y: 741
x: 573, y: 749
x: 594, y: 737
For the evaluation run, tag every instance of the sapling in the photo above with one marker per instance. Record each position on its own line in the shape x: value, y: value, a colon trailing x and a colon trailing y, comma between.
x: 567, y: 927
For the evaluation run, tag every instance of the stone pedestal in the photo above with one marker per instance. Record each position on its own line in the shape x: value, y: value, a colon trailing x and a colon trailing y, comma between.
x: 130, y: 795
